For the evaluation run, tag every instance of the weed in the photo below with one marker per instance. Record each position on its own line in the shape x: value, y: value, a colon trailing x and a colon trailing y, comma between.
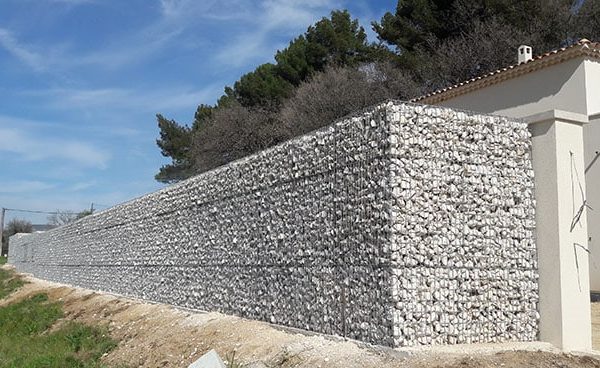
x: 9, y: 282
x: 231, y: 362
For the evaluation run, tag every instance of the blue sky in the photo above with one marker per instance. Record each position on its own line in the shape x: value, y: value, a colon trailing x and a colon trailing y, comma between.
x: 82, y: 80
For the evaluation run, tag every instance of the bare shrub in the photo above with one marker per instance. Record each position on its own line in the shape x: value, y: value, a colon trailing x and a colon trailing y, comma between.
x: 339, y: 91
x: 488, y: 46
x: 61, y: 218
x: 13, y: 227
x: 235, y: 132
x: 16, y: 226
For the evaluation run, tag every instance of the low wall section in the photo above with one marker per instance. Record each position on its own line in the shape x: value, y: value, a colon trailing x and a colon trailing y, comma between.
x: 402, y: 225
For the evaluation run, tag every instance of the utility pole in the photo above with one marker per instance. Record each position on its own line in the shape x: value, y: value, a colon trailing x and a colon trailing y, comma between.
x: 2, y: 212
x: 92, y: 208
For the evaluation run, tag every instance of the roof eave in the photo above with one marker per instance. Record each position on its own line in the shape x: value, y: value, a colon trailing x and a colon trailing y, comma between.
x: 498, y: 76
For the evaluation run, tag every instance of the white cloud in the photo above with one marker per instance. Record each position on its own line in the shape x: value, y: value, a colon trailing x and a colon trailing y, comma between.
x: 272, y: 17
x: 176, y: 16
x: 20, y: 51
x: 66, y: 2
x: 116, y: 128
x: 73, y: 2
x: 127, y: 99
x: 130, y: 50
x: 134, y: 47
x: 76, y: 187
x: 24, y: 186
x: 245, y: 48
x: 190, y: 11
x: 180, y: 23
x: 172, y: 8
x: 32, y: 148
x: 281, y: 14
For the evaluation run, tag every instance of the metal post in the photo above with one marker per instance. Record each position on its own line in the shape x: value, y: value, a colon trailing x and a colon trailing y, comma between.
x: 2, y: 228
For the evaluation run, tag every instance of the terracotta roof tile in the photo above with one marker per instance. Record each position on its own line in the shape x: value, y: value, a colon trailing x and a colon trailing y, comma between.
x: 583, y: 47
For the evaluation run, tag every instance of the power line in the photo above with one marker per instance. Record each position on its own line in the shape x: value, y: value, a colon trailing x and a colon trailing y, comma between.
x: 94, y: 206
x: 34, y: 211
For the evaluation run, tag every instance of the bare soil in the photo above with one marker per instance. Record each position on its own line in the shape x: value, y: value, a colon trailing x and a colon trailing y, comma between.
x: 156, y: 335
x: 596, y: 326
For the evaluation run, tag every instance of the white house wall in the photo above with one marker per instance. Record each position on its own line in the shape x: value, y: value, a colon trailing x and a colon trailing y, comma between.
x: 591, y: 136
x: 592, y: 87
x: 558, y: 87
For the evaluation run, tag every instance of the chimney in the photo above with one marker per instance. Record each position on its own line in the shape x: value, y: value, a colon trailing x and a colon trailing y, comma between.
x: 525, y: 54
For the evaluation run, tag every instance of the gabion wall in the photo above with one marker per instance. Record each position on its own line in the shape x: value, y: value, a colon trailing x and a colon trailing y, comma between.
x: 402, y: 225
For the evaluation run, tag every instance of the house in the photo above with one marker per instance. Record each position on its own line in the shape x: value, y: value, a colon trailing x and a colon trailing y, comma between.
x: 558, y: 94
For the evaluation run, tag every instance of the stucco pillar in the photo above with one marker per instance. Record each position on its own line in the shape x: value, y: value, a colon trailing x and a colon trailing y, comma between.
x: 561, y: 229
x: 591, y: 137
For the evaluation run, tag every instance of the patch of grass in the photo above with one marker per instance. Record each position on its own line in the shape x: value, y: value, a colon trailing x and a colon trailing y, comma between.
x: 28, y: 341
x: 28, y: 317
x: 9, y: 282
x: 3, y: 260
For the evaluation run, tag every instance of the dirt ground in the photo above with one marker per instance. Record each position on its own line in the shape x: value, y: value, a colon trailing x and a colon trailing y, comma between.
x: 155, y: 335
x: 596, y: 326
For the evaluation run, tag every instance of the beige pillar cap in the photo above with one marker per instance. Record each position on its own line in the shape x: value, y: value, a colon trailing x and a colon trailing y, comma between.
x: 561, y: 115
